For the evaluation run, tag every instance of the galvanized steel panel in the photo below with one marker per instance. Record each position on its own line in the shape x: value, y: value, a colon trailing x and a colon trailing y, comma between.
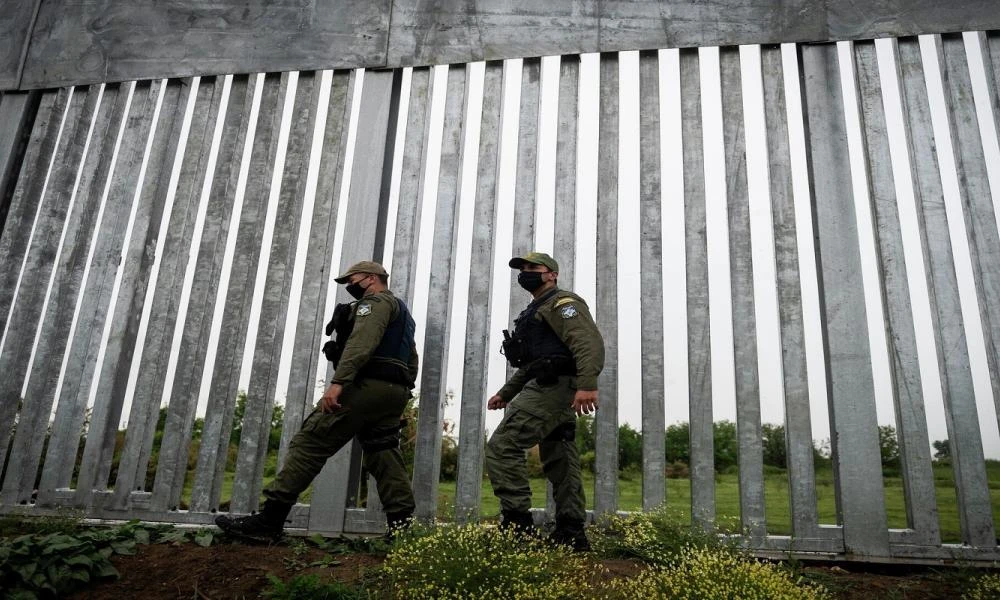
x: 136, y: 268
x: 134, y: 226
x: 74, y: 42
x: 702, y: 457
x: 17, y: 116
x: 748, y: 427
x: 411, y: 184
x: 606, y: 313
x: 312, y: 318
x: 853, y: 424
x: 88, y: 336
x: 651, y: 259
x: 231, y: 292
x: 434, y: 376
x: 26, y: 307
x: 109, y: 40
x: 526, y: 175
x: 339, y: 480
x: 23, y: 211
x: 911, y: 419
x: 981, y: 232
x: 566, y: 155
x: 471, y: 433
x: 795, y: 385
x: 283, y: 240
x: 84, y: 197
x: 17, y: 19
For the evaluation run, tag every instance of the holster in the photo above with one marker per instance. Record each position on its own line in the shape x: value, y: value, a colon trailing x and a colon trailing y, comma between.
x: 514, y: 350
x: 341, y: 324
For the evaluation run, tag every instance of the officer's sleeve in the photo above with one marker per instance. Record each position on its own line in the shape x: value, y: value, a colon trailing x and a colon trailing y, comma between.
x: 514, y: 385
x: 570, y: 318
x: 371, y: 317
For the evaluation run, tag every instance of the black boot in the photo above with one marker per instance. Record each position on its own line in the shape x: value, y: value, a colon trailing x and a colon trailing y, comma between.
x: 265, y: 526
x: 569, y: 532
x: 396, y: 523
x: 522, y: 522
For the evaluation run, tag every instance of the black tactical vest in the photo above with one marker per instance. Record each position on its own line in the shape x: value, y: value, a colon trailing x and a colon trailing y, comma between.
x: 539, y: 340
x: 390, y: 360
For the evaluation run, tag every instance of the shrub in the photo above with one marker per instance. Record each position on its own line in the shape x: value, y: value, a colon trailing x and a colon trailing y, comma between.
x: 701, y: 573
x: 984, y: 588
x: 655, y: 538
x: 534, y: 463
x: 678, y: 470
x: 478, y: 562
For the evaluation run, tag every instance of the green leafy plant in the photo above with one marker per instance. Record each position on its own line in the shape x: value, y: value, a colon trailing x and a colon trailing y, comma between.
x: 44, y: 565
x: 481, y: 562
x: 310, y: 587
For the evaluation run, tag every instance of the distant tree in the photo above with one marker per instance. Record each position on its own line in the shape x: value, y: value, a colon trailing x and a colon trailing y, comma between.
x: 942, y: 450
x: 629, y: 448
x: 773, y: 442
x: 677, y: 443
x: 888, y: 444
x: 585, y: 434
x: 725, y: 444
x: 277, y: 422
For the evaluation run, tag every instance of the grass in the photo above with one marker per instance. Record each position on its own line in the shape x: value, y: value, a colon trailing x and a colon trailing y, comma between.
x: 728, y: 500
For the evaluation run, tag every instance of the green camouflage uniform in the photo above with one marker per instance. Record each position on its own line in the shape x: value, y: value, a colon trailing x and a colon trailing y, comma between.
x: 543, y: 415
x: 371, y: 409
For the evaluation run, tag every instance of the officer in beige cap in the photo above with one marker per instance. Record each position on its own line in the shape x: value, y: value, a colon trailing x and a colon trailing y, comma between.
x: 558, y: 353
x: 375, y: 369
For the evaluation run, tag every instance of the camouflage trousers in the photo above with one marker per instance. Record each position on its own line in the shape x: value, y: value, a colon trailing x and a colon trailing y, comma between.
x: 370, y: 406
x: 542, y: 415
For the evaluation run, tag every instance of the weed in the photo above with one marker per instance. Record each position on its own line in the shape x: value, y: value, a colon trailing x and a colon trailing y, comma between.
x: 698, y: 573
x: 479, y: 562
x: 984, y: 587
x: 302, y: 587
x: 655, y: 538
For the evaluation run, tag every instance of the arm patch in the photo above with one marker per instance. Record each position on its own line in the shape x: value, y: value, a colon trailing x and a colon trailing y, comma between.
x: 568, y: 312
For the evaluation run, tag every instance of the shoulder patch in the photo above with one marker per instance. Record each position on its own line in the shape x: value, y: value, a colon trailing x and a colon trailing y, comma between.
x: 568, y: 312
x: 565, y: 300
x: 364, y: 309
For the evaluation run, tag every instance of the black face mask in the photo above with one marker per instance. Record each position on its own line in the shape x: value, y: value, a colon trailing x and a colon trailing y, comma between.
x: 530, y: 280
x: 355, y: 290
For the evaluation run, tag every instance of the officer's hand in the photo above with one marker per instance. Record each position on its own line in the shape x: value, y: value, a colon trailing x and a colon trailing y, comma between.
x: 585, y: 402
x: 331, y: 398
x: 496, y: 402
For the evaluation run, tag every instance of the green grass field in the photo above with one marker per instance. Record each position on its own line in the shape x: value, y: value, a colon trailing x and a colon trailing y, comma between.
x: 727, y: 498
x: 775, y: 497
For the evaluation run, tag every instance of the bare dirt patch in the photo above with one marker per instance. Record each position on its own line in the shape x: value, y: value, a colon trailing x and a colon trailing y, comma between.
x: 162, y: 571
x: 232, y: 570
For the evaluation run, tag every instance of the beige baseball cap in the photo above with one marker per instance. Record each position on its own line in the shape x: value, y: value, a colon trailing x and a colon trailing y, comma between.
x: 365, y: 266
